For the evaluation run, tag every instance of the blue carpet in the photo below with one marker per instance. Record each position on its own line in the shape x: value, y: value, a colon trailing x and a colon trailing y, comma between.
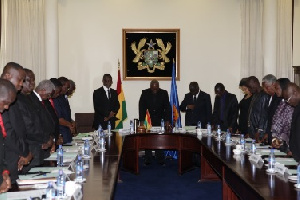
x: 164, y: 183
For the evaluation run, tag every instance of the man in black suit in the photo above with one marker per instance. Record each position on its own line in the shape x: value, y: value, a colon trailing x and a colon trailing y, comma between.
x: 17, y: 152
x: 268, y: 84
x: 7, y: 96
x: 49, y: 104
x: 197, y: 105
x: 226, y: 108
x: 292, y: 97
x: 37, y: 119
x: 156, y: 101
x: 106, y: 104
x: 258, y: 110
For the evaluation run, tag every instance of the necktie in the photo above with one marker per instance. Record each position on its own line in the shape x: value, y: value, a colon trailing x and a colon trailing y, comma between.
x: 52, y: 104
x: 108, y: 92
x: 195, y: 99
x: 2, y: 126
x: 222, y: 107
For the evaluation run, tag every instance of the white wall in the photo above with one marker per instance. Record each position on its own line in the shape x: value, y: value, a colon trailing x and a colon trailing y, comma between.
x: 90, y: 44
x: 296, y: 39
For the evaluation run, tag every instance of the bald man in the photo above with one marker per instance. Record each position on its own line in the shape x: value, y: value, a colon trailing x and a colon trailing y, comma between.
x: 292, y: 97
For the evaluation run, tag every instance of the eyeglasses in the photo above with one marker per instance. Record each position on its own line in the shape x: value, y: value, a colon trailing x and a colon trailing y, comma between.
x: 288, y: 99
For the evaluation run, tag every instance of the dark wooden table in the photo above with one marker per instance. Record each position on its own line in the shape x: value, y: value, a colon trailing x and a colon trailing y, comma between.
x: 241, y: 178
x: 184, y: 144
x: 102, y: 175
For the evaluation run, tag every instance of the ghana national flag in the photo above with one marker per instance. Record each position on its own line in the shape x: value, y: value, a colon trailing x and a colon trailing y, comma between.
x: 122, y: 114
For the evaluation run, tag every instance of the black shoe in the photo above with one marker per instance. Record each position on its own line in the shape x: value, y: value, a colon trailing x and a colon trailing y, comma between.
x: 162, y: 163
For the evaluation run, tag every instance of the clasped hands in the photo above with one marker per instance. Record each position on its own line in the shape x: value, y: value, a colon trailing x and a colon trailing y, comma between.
x: 24, y: 161
x: 111, y: 114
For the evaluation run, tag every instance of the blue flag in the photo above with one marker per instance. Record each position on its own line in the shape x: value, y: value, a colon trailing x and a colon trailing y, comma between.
x: 176, y: 117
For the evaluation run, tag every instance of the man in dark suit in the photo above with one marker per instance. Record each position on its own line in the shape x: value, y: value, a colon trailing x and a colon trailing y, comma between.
x: 258, y: 110
x: 156, y: 101
x: 49, y: 104
x: 268, y: 84
x: 292, y: 97
x: 197, y: 105
x: 7, y: 96
x: 37, y: 119
x: 17, y: 152
x: 226, y: 108
x: 106, y: 104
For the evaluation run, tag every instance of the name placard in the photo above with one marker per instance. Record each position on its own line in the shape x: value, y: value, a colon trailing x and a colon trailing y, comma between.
x: 255, y: 158
x: 280, y: 168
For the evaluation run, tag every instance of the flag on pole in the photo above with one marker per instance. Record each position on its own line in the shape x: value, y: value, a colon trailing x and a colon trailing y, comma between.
x: 147, y: 122
x: 176, y: 117
x: 122, y: 114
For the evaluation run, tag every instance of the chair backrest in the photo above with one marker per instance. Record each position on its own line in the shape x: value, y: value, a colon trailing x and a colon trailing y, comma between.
x: 84, y: 122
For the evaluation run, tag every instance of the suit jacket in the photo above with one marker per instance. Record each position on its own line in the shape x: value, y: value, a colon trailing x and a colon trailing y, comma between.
x: 258, y: 114
x: 230, y: 114
x: 103, y: 106
x: 63, y: 110
x: 2, y: 155
x: 54, y: 117
x: 157, y: 104
x: 38, y: 121
x: 295, y: 134
x: 39, y: 126
x: 202, y: 111
x: 15, y: 142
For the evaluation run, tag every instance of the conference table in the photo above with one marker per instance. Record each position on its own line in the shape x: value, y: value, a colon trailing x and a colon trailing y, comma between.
x: 240, y: 178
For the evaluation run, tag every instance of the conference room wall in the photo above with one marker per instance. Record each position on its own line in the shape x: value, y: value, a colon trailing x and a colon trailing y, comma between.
x: 90, y: 44
x: 296, y: 33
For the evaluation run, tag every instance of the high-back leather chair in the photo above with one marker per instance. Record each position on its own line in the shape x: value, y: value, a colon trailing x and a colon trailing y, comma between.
x: 84, y: 122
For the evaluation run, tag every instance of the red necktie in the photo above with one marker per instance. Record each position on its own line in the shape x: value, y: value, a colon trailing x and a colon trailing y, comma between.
x: 2, y: 126
x: 52, y: 104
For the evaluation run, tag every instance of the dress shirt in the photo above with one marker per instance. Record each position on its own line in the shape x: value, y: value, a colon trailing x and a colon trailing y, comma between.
x: 107, y: 90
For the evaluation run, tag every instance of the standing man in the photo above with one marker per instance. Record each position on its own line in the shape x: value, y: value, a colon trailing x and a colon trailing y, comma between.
x: 7, y: 96
x: 197, y: 105
x: 226, y: 109
x: 63, y: 110
x: 17, y: 151
x: 258, y: 110
x: 38, y: 122
x: 268, y: 84
x: 106, y: 104
x: 292, y: 97
x: 156, y: 101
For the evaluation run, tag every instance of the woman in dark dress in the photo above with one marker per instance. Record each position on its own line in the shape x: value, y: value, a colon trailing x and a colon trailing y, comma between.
x: 244, y: 107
